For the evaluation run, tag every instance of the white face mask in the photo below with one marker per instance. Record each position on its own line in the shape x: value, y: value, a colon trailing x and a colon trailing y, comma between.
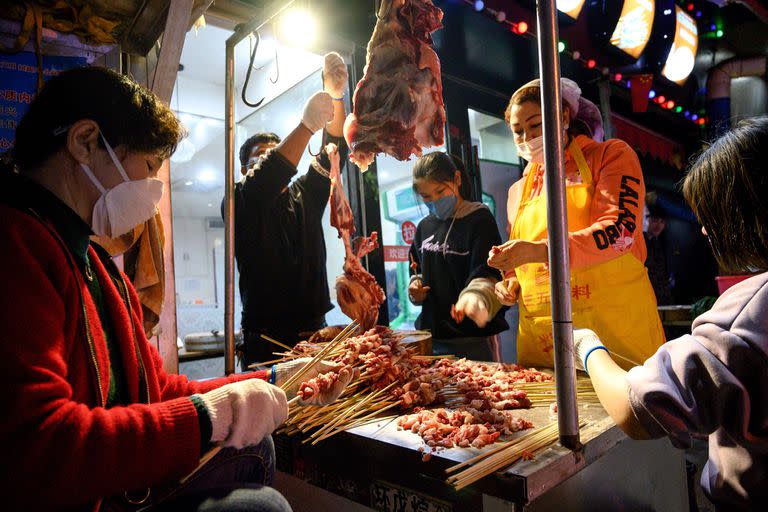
x: 255, y: 161
x: 532, y: 150
x: 125, y: 206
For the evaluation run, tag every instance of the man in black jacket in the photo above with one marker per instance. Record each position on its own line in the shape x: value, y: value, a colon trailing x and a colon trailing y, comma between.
x: 657, y: 260
x: 279, y: 243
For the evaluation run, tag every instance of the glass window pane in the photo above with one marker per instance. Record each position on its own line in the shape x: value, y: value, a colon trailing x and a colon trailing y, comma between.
x: 197, y: 168
x: 400, y: 210
x: 281, y: 116
x: 493, y: 138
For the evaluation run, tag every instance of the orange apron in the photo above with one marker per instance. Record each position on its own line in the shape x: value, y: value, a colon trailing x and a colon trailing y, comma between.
x: 615, y: 299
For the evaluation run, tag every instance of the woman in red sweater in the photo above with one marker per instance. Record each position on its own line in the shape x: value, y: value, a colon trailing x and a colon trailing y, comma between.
x: 90, y: 418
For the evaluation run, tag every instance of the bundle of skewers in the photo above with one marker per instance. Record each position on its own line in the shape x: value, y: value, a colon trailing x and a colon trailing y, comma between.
x: 388, y: 373
x: 525, y: 447
x: 479, y: 400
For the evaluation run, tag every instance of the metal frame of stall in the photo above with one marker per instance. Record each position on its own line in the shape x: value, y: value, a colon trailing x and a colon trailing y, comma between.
x: 240, y: 33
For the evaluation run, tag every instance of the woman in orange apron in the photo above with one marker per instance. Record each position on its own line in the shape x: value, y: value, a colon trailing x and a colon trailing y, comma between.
x: 610, y: 290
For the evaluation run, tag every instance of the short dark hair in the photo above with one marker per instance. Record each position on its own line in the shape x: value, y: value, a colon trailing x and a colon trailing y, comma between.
x: 442, y: 167
x: 127, y: 114
x: 253, y: 141
x: 658, y: 211
x: 727, y: 188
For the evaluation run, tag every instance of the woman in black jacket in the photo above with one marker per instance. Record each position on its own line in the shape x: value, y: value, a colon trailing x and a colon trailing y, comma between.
x: 449, y: 274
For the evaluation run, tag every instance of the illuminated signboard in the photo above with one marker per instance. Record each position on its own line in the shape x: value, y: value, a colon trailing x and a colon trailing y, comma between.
x: 634, y: 27
x: 682, y: 56
x: 570, y: 7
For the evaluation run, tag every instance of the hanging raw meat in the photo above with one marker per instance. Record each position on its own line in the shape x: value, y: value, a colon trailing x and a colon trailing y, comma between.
x: 398, y: 105
x: 358, y: 293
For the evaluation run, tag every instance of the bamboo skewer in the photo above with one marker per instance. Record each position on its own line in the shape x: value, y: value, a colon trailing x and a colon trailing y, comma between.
x: 278, y: 343
x: 630, y: 361
x: 320, y: 355
x: 498, y: 458
x: 266, y: 363
x: 203, y: 461
x: 349, y: 411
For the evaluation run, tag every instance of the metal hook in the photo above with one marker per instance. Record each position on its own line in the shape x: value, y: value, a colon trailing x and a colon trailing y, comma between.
x: 277, y: 68
x: 248, y: 76
x: 309, y: 150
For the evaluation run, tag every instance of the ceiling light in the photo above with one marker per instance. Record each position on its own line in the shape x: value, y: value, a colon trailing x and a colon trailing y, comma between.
x: 206, y: 176
x: 298, y: 28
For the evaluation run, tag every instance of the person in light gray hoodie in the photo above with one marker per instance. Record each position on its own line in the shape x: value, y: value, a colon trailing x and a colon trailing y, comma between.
x: 712, y: 383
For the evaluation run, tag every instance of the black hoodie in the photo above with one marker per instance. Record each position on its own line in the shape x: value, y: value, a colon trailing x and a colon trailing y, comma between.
x: 449, y: 254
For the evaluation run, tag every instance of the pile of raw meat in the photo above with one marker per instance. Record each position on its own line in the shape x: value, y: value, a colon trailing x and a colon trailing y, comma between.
x: 463, y: 427
x: 357, y: 292
x: 398, y: 105
x: 487, y: 393
x: 481, y: 395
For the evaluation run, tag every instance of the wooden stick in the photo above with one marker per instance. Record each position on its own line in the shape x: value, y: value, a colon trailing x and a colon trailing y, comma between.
x: 349, y: 411
x: 356, y: 423
x: 630, y: 361
x: 274, y: 361
x: 293, y: 401
x: 203, y: 461
x: 320, y: 355
x: 279, y: 344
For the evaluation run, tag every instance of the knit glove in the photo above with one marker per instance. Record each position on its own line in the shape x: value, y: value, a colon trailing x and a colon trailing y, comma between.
x: 585, y: 341
x: 284, y: 371
x: 474, y: 306
x: 335, y: 75
x: 243, y: 413
x: 318, y: 111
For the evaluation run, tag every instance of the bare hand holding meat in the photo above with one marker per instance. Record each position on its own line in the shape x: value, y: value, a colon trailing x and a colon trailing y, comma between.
x: 398, y: 104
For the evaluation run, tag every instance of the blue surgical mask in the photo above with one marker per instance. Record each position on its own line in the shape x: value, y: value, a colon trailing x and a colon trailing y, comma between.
x: 442, y: 208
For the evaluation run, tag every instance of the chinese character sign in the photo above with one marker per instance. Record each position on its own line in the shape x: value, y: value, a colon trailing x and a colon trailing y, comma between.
x: 408, y: 230
x: 18, y: 85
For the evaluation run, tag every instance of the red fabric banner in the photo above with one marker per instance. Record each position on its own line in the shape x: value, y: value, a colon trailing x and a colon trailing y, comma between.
x: 648, y: 142
x: 640, y: 86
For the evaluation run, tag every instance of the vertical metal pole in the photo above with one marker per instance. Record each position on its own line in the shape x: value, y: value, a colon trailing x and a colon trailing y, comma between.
x: 241, y: 32
x: 557, y: 222
x: 229, y: 210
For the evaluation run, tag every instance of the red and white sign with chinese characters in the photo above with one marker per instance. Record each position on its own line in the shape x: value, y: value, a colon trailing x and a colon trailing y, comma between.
x: 408, y: 229
x: 396, y: 252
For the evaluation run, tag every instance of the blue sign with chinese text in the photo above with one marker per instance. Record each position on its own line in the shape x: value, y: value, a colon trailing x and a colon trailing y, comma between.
x: 18, y: 85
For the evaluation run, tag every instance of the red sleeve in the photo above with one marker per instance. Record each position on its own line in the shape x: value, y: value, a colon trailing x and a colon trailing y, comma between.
x: 61, y: 451
x: 616, y: 210
x: 173, y: 385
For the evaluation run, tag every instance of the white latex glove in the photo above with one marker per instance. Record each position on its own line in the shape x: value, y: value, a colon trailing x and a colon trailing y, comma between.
x: 332, y: 394
x: 243, y: 413
x: 585, y: 341
x: 284, y: 371
x: 335, y: 77
x: 318, y: 111
x: 472, y: 305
